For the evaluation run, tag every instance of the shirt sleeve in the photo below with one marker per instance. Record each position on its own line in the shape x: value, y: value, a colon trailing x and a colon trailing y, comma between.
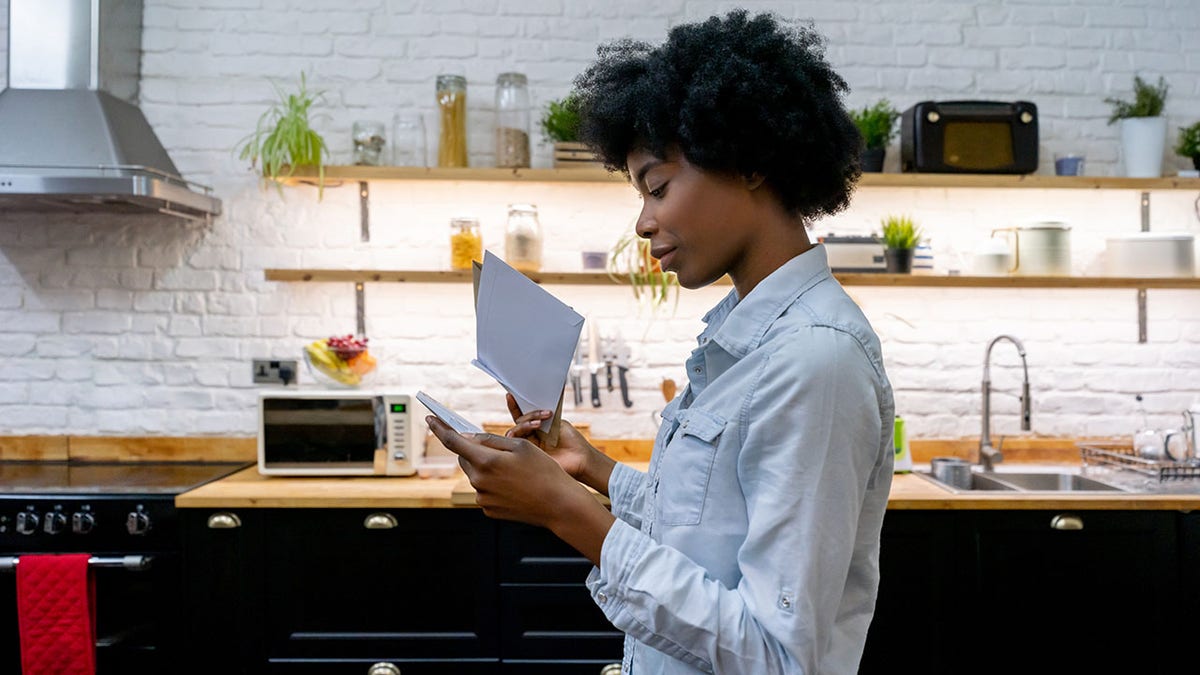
x: 627, y: 493
x: 808, y: 447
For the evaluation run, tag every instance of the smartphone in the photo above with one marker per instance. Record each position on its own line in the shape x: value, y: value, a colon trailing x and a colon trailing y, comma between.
x: 452, y: 419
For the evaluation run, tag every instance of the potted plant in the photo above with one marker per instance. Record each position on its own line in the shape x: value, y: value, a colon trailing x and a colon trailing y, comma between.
x: 630, y: 259
x: 560, y: 125
x: 877, y: 125
x: 1189, y: 144
x: 284, y: 140
x: 900, y: 236
x: 1143, y: 128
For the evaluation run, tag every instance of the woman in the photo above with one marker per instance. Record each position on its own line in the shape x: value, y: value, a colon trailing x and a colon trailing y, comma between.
x: 751, y: 544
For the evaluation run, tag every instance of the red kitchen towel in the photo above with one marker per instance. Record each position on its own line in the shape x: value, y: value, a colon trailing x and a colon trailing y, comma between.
x: 56, y: 612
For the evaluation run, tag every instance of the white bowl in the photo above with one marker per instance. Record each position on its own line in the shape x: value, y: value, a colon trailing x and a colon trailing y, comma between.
x: 1151, y: 254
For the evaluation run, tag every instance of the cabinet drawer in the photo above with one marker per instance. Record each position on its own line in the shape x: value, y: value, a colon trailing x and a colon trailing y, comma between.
x: 415, y: 589
x: 363, y: 667
x: 554, y: 622
x: 534, y: 555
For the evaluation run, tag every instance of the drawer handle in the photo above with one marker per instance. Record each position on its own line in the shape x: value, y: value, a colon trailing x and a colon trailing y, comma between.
x: 611, y: 669
x: 224, y: 521
x: 380, y: 521
x: 1066, y: 521
x: 383, y: 667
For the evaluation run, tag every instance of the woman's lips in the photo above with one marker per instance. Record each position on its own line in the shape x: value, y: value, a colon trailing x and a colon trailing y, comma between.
x: 664, y: 257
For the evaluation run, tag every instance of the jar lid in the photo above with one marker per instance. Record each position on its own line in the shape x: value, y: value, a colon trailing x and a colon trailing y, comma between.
x: 511, y: 78
x: 464, y: 220
x: 523, y: 208
x: 451, y: 82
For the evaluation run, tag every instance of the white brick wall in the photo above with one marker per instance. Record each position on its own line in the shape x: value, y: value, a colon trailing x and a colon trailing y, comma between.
x: 113, y: 325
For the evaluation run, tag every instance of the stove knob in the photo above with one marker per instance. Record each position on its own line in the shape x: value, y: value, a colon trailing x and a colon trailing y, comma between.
x: 137, y: 522
x: 27, y: 522
x: 55, y: 522
x: 82, y: 522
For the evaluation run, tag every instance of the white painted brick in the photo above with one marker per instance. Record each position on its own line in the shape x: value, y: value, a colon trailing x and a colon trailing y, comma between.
x: 96, y: 322
x: 17, y: 345
x: 29, y: 322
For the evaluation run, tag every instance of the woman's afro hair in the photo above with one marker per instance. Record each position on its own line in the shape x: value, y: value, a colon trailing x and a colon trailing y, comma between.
x: 737, y: 95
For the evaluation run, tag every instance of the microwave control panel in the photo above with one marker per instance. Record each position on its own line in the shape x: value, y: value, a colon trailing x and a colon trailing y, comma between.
x: 405, y: 427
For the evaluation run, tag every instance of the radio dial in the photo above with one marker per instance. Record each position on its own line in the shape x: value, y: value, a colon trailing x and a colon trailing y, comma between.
x: 55, y: 522
x: 27, y: 522
x: 1026, y: 117
x: 82, y: 522
x: 933, y: 117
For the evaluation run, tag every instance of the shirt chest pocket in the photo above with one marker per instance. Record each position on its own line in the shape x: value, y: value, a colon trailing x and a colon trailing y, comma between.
x: 686, y: 466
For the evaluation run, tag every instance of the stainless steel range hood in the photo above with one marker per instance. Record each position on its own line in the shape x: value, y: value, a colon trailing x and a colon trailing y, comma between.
x: 71, y: 138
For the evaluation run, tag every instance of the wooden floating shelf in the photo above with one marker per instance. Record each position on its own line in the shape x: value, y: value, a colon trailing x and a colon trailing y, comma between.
x: 602, y: 279
x: 340, y: 174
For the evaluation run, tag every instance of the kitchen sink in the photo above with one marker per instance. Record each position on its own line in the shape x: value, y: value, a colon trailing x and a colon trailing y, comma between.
x: 1041, y: 481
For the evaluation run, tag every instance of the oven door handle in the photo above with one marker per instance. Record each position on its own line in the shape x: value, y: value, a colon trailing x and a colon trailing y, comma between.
x: 136, y: 563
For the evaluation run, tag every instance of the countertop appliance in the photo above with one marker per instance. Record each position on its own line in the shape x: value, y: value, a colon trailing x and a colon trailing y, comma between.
x: 124, y: 516
x: 74, y: 139
x: 854, y: 253
x: 340, y: 433
x: 969, y: 137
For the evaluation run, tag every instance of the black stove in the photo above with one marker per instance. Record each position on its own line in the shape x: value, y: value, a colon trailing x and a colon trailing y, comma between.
x: 124, y: 515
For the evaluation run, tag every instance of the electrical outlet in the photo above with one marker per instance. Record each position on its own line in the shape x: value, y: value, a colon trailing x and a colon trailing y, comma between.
x: 275, y: 372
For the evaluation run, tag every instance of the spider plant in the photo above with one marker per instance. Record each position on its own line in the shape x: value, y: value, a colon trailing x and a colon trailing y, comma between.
x: 284, y: 139
x: 630, y: 259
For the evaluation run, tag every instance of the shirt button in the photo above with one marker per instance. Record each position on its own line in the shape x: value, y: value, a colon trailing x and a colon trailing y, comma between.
x: 696, y: 369
x: 601, y: 597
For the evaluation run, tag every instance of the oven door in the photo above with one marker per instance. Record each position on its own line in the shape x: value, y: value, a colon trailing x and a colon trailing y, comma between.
x: 136, y: 617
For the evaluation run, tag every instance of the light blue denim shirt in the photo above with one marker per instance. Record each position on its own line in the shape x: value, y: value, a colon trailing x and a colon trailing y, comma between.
x: 752, y: 543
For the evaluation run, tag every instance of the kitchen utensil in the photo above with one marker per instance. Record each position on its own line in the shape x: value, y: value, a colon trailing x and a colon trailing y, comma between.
x: 621, y: 356
x: 609, y: 355
x: 594, y: 363
x: 1151, y: 254
x: 577, y: 368
x: 953, y: 471
x: 1041, y: 249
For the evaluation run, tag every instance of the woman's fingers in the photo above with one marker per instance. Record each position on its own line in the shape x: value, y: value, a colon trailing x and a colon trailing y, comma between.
x: 513, y: 408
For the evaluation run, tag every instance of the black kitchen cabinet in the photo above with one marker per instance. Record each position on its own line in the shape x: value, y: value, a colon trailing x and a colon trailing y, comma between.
x: 1096, y: 599
x: 919, y: 587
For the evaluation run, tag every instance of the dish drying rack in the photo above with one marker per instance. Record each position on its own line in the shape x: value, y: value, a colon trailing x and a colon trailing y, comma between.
x: 1120, y: 456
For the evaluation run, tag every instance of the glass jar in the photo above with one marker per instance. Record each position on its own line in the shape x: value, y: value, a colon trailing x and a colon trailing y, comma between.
x: 452, y: 106
x: 523, y: 238
x: 512, y: 120
x: 466, y: 243
x: 369, y: 142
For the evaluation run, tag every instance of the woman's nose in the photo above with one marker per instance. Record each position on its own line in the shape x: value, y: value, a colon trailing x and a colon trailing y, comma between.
x: 645, y: 226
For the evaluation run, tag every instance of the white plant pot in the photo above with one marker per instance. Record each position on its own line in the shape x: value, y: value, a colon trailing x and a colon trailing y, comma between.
x: 1142, y: 143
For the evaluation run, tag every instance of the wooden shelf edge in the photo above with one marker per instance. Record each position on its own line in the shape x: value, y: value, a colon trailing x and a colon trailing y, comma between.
x: 602, y: 279
x: 335, y: 175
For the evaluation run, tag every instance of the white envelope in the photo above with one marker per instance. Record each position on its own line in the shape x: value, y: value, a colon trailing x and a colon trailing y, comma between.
x: 524, y: 337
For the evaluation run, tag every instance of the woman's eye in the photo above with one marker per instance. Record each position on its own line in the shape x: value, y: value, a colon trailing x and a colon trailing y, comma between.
x: 657, y: 193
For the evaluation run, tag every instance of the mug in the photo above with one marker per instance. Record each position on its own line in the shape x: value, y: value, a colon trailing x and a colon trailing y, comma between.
x: 953, y: 471
x: 1042, y: 249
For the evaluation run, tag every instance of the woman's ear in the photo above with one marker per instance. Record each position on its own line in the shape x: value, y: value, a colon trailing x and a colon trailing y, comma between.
x: 754, y: 180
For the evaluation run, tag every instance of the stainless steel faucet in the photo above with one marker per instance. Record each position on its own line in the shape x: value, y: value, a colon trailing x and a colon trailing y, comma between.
x: 989, y: 455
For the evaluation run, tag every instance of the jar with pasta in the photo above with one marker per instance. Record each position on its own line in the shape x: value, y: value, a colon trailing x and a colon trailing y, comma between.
x: 466, y: 244
x: 512, y: 121
x: 452, y: 109
x: 523, y: 238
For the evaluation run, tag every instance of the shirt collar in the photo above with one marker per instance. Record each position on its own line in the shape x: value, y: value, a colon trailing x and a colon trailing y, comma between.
x: 738, y: 326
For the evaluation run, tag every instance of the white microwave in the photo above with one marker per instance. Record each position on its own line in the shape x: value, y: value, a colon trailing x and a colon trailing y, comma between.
x: 339, y: 433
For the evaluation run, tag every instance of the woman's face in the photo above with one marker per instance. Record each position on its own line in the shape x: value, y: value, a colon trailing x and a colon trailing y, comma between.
x: 700, y: 225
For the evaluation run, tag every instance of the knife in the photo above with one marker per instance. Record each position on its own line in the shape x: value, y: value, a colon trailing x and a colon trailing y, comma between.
x: 594, y: 360
x: 610, y: 356
x: 620, y: 353
x: 577, y: 373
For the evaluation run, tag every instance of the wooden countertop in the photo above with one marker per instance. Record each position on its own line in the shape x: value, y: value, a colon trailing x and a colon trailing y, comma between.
x: 248, y: 489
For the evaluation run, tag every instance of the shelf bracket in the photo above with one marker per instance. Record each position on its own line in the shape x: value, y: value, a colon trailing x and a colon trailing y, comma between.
x: 1141, y: 294
x: 364, y: 209
x: 360, y: 307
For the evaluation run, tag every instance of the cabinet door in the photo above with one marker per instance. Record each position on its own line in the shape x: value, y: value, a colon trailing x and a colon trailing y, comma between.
x: 919, y: 585
x: 365, y: 667
x: 1096, y: 599
x: 392, y: 584
x: 563, y: 667
x: 222, y: 586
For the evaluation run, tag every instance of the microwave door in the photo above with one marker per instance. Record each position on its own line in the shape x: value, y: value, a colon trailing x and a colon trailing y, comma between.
x: 301, y: 433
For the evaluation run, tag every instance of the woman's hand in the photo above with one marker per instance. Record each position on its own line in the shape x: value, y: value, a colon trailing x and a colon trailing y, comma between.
x: 515, y: 480
x: 573, y: 453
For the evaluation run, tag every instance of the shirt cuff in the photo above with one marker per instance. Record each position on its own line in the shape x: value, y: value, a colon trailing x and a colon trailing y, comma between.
x: 619, y: 553
x: 624, y: 483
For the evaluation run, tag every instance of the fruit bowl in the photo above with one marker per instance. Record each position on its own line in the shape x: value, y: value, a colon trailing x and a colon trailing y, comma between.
x: 340, y: 360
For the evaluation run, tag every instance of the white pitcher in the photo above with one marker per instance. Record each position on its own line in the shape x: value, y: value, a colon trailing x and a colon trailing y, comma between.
x: 1042, y: 249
